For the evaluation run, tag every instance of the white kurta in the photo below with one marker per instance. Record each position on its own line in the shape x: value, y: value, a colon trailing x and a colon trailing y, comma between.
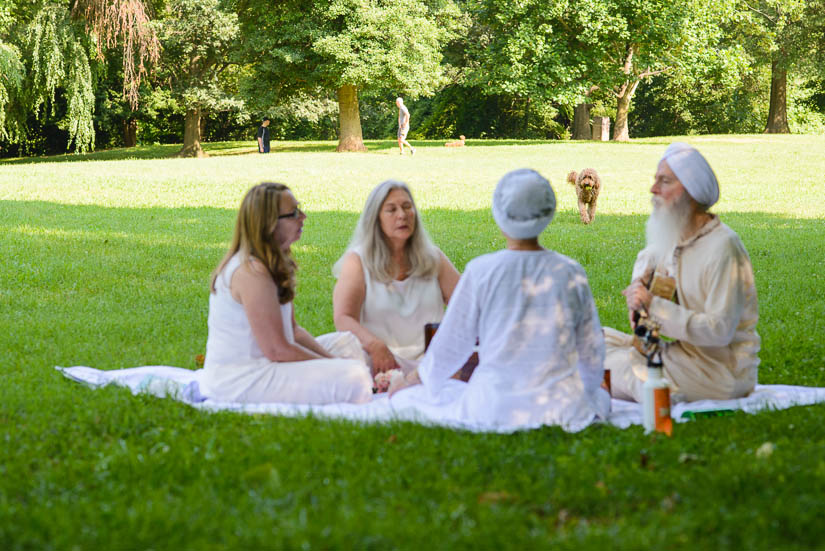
x: 715, y: 355
x: 236, y: 370
x: 540, y: 347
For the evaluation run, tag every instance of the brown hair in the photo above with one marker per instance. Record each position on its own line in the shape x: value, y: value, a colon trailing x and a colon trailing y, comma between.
x: 254, y: 237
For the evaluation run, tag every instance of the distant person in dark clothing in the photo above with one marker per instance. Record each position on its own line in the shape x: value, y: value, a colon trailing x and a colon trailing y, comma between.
x: 263, y: 136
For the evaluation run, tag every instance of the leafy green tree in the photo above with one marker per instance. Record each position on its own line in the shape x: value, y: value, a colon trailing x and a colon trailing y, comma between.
x: 534, y: 51
x: 57, y: 57
x: 634, y: 41
x: 60, y: 44
x: 198, y: 39
x: 346, y: 47
x: 573, y: 51
x: 788, y: 35
x: 12, y: 73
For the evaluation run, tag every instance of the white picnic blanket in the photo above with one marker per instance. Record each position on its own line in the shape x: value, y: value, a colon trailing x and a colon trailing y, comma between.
x: 182, y: 384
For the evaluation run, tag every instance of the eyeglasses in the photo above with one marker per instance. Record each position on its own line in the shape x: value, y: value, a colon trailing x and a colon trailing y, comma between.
x: 294, y: 214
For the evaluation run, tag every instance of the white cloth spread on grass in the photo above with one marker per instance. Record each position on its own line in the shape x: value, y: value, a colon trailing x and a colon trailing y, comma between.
x: 182, y: 385
x: 540, y: 352
x: 235, y: 368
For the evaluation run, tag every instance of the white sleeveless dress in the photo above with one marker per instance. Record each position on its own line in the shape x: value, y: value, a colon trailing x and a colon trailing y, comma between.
x: 236, y: 370
x: 396, y: 313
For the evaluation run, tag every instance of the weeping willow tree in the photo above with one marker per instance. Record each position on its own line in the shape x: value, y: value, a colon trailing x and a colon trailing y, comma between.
x: 11, y: 78
x: 60, y: 44
x: 199, y: 38
x: 58, y: 60
x: 122, y: 23
x: 11, y: 82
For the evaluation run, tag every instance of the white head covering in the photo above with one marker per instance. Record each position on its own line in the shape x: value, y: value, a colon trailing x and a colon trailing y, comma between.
x: 523, y: 203
x: 694, y: 172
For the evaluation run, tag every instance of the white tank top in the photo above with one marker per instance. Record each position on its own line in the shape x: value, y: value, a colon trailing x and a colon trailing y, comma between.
x: 230, y: 339
x: 396, y: 312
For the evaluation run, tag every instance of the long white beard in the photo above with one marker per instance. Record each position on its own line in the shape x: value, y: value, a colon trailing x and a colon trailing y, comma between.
x: 665, y: 227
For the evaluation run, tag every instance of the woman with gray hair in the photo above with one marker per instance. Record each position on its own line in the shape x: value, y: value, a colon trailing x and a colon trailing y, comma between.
x: 392, y: 280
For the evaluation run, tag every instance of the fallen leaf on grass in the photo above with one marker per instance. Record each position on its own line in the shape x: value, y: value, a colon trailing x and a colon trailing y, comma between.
x: 690, y: 458
x: 669, y: 502
x: 495, y: 497
x: 562, y: 517
x: 765, y: 450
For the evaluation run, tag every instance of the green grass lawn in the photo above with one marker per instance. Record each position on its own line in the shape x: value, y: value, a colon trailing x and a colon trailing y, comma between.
x: 106, y: 259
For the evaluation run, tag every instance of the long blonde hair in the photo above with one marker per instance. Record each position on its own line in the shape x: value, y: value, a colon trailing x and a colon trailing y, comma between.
x: 254, y: 237
x: 369, y: 239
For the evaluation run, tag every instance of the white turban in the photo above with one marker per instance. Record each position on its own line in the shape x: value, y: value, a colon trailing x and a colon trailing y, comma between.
x: 523, y: 203
x: 694, y: 172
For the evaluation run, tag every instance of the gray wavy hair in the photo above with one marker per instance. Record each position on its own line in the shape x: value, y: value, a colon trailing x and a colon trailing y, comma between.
x: 370, y: 241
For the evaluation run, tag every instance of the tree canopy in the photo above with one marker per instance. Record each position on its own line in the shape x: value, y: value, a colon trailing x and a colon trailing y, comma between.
x: 80, y: 71
x: 345, y: 47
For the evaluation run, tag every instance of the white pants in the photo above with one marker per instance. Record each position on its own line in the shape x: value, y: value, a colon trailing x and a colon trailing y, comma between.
x: 324, y: 381
x: 346, y: 345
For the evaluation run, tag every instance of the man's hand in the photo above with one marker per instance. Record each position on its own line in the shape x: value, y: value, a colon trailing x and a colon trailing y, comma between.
x: 638, y: 298
x: 382, y: 358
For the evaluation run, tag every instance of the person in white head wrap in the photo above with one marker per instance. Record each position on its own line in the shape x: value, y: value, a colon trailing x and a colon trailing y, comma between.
x: 541, y: 346
x: 712, y: 317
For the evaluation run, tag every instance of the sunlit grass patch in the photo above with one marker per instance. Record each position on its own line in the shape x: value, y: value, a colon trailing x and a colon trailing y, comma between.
x: 106, y: 263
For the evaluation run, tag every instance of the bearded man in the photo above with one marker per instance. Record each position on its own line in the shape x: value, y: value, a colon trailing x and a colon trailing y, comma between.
x: 712, y: 318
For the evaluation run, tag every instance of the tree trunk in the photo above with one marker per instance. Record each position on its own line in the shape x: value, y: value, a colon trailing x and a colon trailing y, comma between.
x: 624, y: 96
x: 203, y: 125
x: 129, y: 133
x: 350, y: 137
x: 192, y: 134
x: 778, y: 111
x: 581, y: 121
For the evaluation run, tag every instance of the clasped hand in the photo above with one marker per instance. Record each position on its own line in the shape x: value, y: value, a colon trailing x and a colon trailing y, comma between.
x: 638, y: 299
x: 382, y: 359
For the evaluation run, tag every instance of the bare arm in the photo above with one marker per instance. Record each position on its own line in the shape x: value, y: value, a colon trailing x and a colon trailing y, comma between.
x: 448, y: 277
x: 253, y: 287
x: 306, y: 340
x: 347, y: 299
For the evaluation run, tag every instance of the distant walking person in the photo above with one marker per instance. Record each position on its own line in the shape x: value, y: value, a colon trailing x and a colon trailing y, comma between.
x: 403, y: 125
x: 263, y: 136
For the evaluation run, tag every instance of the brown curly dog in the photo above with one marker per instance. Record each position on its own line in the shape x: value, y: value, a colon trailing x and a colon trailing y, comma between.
x: 459, y: 143
x: 587, y: 184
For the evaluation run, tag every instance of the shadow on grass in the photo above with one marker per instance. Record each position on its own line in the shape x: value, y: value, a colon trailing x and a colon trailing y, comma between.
x: 157, y: 261
x: 214, y: 149
x: 143, y: 152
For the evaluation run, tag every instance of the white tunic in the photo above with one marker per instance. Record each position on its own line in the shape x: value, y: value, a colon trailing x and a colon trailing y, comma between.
x: 230, y: 339
x: 236, y: 370
x: 396, y: 312
x: 715, y: 355
x: 540, y: 347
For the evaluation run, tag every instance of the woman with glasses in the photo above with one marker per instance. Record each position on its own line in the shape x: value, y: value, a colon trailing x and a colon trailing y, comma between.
x: 392, y: 280
x: 255, y: 351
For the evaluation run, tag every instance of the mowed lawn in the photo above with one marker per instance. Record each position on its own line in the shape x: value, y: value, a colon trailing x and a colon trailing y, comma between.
x: 105, y: 262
